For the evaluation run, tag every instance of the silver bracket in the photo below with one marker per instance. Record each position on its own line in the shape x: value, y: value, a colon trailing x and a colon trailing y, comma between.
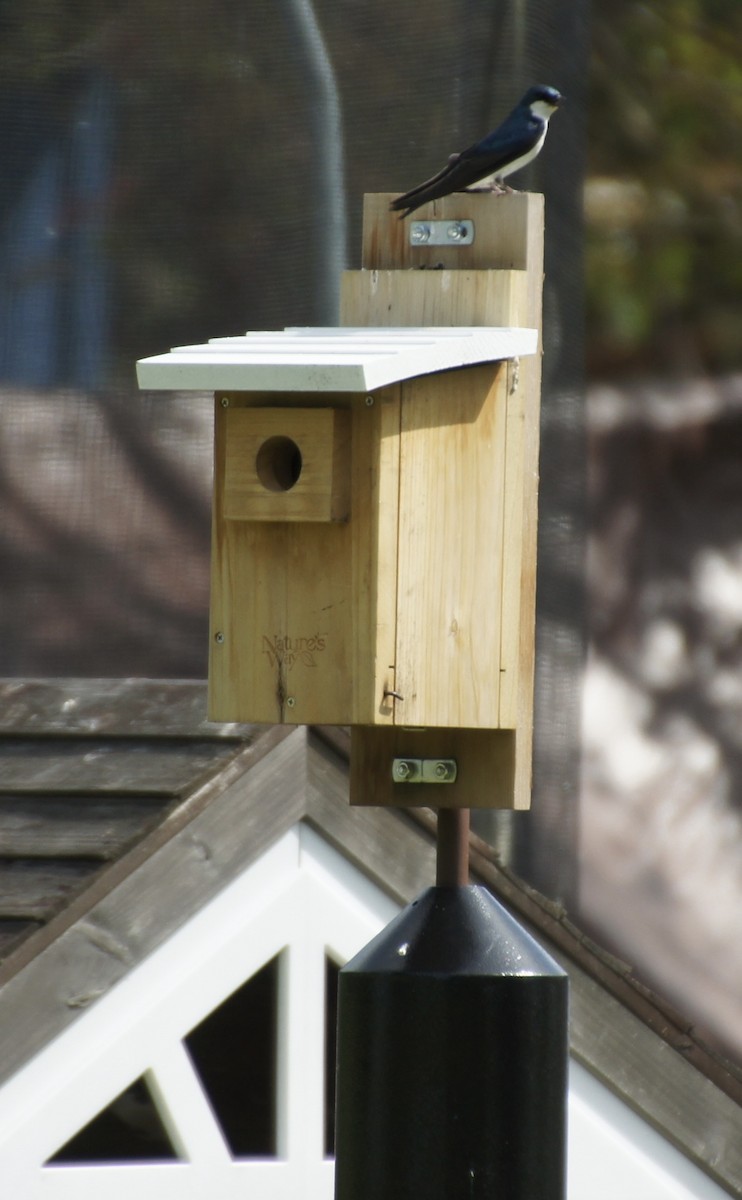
x: 441, y: 233
x: 424, y: 770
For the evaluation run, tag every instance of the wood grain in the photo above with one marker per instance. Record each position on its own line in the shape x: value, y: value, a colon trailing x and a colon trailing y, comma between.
x: 451, y: 549
x: 69, y: 767
x: 34, y: 891
x: 281, y: 622
x: 501, y: 237
x: 464, y: 650
x: 12, y: 932
x: 373, y: 595
x: 110, y: 708
x: 89, y: 827
x: 88, y: 770
x: 444, y: 298
x: 485, y: 758
x: 521, y: 513
x: 321, y: 437
x: 303, y: 613
x: 132, y: 905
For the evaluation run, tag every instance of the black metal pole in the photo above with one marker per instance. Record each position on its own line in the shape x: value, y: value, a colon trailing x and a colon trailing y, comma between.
x: 452, y: 1057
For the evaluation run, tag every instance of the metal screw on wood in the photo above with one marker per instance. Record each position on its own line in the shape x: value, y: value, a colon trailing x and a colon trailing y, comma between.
x: 441, y: 233
x: 219, y: 638
x: 369, y: 401
x: 225, y: 401
x: 290, y: 701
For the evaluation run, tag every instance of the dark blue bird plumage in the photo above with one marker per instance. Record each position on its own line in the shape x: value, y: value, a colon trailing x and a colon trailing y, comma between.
x: 511, y: 146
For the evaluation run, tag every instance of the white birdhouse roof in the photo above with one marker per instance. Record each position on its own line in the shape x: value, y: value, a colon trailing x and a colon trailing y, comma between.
x: 330, y: 359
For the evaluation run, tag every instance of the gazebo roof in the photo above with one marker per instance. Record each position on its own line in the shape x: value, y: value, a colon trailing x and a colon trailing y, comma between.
x: 122, y: 811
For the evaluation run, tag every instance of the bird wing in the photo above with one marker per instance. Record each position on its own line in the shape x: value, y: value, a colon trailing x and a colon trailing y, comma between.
x: 461, y: 173
x: 487, y: 157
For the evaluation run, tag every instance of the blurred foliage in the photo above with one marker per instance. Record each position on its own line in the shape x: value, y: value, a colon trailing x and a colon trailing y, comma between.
x: 664, y: 190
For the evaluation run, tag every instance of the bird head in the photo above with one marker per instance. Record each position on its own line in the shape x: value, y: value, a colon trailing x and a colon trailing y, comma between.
x: 542, y: 100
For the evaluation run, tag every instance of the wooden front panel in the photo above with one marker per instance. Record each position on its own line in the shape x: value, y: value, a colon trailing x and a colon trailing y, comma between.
x: 303, y: 612
x: 286, y: 464
x: 279, y: 653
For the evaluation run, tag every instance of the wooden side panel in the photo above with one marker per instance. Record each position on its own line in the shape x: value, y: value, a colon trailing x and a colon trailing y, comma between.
x: 473, y: 297
x: 497, y: 279
x: 521, y: 515
x: 451, y: 548
x: 375, y: 506
x: 485, y: 758
x: 519, y: 568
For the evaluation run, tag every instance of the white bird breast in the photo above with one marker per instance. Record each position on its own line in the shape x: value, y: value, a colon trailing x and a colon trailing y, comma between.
x: 517, y: 163
x: 542, y: 108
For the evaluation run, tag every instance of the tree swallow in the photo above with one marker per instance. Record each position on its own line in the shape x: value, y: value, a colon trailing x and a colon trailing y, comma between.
x: 508, y: 148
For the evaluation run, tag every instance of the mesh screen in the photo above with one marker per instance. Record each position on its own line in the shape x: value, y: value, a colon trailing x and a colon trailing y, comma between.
x: 173, y: 172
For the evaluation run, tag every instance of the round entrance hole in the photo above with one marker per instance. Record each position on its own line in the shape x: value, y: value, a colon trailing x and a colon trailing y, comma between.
x: 278, y: 464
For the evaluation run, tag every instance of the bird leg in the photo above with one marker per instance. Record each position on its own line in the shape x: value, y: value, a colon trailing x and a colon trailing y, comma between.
x: 495, y: 187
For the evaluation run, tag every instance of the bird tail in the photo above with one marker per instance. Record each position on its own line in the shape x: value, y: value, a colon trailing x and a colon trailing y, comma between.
x: 415, y: 199
x: 400, y: 203
x: 405, y: 204
x: 431, y: 189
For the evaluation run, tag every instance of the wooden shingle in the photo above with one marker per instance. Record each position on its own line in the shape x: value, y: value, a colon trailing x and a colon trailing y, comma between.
x: 87, y: 770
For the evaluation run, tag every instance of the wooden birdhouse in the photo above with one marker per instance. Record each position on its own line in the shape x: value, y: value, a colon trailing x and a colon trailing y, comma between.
x: 373, y: 554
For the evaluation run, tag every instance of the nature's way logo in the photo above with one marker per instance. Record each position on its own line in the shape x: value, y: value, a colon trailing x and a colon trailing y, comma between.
x: 286, y: 651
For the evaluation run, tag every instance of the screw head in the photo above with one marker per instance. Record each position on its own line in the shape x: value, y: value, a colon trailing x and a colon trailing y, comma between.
x: 224, y: 401
x: 420, y: 233
x: 441, y: 770
x: 369, y: 401
x: 290, y: 701
x: 219, y: 638
x: 402, y: 770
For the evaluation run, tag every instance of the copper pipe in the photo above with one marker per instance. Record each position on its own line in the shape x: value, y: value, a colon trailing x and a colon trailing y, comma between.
x: 452, y: 868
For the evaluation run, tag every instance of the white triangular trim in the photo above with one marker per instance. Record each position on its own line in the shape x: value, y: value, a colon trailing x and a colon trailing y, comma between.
x: 184, y: 1107
x: 296, y: 901
x: 302, y: 899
